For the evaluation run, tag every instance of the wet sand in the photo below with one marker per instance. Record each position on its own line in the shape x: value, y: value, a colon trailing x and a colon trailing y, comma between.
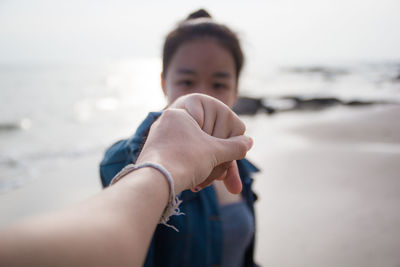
x: 328, y: 194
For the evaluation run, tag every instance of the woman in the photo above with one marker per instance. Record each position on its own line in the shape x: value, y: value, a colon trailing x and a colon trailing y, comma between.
x: 199, y: 56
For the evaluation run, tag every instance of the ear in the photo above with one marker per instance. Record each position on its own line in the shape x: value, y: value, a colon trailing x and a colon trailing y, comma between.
x: 163, y: 87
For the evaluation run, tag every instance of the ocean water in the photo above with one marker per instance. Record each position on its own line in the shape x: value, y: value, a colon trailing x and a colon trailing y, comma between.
x: 51, y: 113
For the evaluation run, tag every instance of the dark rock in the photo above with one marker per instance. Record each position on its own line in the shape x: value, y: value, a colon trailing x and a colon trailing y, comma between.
x: 9, y: 126
x: 360, y: 103
x: 247, y: 105
x: 251, y: 105
x: 314, y: 103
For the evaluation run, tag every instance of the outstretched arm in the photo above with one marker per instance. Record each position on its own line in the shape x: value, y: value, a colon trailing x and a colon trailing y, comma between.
x: 114, y: 227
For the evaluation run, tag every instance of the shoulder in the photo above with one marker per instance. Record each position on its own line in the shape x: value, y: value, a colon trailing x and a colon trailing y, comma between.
x: 123, y: 148
x: 125, y: 151
x: 144, y: 127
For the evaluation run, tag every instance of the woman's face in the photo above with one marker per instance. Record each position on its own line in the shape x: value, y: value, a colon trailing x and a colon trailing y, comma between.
x: 201, y: 66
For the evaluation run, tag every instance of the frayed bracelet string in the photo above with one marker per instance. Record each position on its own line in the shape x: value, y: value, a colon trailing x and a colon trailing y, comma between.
x: 173, y: 203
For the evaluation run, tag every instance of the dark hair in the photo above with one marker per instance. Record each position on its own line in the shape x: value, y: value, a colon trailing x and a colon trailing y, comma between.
x: 198, y: 25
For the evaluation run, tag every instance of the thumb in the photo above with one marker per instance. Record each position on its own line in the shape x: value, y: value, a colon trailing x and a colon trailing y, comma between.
x: 232, y: 148
x: 232, y: 179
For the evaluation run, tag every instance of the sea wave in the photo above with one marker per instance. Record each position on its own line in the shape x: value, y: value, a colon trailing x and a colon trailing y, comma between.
x: 17, y: 170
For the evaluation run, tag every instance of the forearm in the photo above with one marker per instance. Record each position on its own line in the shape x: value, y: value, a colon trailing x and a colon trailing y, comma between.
x: 113, y: 228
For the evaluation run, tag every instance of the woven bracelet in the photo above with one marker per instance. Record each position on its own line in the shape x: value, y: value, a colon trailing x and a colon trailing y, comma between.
x: 173, y: 203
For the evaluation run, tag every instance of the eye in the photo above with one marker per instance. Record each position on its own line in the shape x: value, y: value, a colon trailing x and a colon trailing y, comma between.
x: 185, y: 83
x: 219, y: 86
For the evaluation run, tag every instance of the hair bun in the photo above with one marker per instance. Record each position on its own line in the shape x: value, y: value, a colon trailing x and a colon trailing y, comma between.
x: 201, y: 13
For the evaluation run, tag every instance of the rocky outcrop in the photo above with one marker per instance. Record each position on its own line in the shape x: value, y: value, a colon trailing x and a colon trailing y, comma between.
x: 253, y: 105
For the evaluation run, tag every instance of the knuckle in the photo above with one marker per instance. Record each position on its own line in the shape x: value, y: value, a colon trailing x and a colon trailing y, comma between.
x: 168, y: 113
x: 238, y: 126
x: 173, y: 113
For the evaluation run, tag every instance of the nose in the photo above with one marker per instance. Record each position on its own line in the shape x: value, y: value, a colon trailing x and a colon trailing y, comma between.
x: 203, y: 89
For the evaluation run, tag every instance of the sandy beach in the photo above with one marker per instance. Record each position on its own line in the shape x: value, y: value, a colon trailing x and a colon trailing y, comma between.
x: 328, y: 192
x: 330, y: 188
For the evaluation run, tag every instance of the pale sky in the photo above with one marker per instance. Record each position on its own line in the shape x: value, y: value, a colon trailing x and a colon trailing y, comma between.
x: 274, y: 30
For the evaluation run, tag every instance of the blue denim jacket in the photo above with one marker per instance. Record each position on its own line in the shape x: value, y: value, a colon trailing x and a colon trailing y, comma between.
x: 199, y: 240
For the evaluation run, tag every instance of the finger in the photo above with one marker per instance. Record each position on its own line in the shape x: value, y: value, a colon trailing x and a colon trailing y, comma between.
x: 193, y: 106
x: 196, y: 110
x: 218, y: 173
x: 232, y: 179
x: 223, y: 125
x: 202, y: 108
x: 210, y: 117
x: 233, y: 148
x: 239, y: 126
x: 228, y: 124
x: 222, y: 177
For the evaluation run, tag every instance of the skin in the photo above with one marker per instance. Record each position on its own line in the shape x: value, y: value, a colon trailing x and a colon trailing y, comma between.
x: 216, y: 121
x: 201, y: 66
x: 114, y: 228
x: 204, y: 66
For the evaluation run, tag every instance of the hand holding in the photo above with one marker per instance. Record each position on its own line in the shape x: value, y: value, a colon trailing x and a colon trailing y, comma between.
x: 196, y: 129
x: 218, y: 120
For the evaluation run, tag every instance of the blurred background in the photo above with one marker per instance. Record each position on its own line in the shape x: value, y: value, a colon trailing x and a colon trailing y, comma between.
x: 323, y: 76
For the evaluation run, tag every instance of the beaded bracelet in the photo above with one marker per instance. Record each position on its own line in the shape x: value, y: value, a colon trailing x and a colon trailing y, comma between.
x: 173, y: 204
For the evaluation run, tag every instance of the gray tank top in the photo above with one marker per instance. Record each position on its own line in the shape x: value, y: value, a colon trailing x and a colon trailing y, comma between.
x: 237, y: 231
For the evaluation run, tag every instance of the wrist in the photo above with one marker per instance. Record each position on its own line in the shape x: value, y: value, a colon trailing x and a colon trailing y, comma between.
x: 176, y: 171
x: 172, y: 208
x: 151, y: 180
